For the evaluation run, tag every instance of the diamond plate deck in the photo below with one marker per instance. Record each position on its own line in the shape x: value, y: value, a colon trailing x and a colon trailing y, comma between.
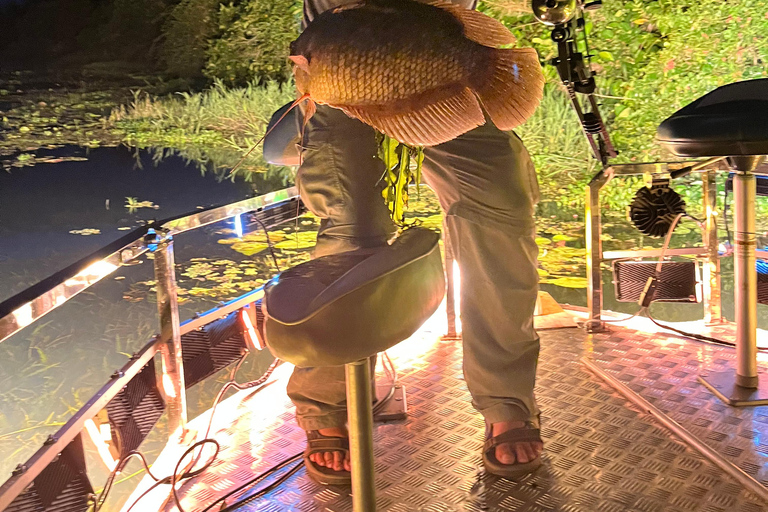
x: 663, y: 368
x: 601, y: 454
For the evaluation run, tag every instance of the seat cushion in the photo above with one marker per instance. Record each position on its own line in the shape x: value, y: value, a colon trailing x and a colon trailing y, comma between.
x: 281, y: 143
x: 731, y: 120
x: 342, y: 308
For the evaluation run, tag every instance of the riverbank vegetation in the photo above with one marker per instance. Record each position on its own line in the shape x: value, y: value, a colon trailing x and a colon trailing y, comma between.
x: 652, y: 57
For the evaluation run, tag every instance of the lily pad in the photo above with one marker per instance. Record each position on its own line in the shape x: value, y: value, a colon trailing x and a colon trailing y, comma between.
x: 570, y: 282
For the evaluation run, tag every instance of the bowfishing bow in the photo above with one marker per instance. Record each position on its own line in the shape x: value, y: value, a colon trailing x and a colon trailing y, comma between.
x: 566, y: 19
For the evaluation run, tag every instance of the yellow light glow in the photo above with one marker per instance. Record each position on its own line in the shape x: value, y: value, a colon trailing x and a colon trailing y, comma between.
x: 91, y: 274
x: 168, y: 386
x: 23, y: 315
x: 253, y: 339
x: 97, y: 436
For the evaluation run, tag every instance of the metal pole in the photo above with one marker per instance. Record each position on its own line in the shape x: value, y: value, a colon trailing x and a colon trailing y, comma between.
x: 677, y: 429
x: 450, y: 300
x: 594, y: 255
x: 360, y: 414
x: 745, y: 280
x: 168, y: 308
x: 713, y: 312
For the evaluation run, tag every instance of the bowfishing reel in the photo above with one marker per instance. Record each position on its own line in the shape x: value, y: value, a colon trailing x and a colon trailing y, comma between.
x: 566, y: 19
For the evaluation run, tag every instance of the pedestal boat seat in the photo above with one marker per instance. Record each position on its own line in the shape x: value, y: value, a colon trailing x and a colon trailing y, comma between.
x: 732, y: 121
x: 341, y: 309
x: 344, y: 307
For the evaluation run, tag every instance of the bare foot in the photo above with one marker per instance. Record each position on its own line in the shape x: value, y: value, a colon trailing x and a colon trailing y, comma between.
x: 334, y: 460
x: 509, y: 453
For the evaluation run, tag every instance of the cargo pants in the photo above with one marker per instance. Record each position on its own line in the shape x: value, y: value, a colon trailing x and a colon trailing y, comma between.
x: 487, y: 187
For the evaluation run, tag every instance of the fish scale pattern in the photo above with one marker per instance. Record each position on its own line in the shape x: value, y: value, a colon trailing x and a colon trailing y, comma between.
x: 386, y: 74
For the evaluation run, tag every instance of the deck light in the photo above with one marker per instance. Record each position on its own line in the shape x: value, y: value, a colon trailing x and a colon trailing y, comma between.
x: 123, y: 425
x: 63, y: 486
x: 239, y: 226
x: 212, y: 348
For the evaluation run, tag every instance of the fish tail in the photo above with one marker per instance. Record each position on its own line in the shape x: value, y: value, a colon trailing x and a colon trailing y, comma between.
x: 513, y: 88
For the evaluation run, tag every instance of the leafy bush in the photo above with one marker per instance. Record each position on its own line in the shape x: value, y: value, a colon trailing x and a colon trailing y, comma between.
x: 253, y: 41
x: 652, y: 58
x: 655, y: 56
x: 190, y: 25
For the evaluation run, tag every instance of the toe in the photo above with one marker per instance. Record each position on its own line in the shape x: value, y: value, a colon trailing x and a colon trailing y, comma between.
x: 522, y: 454
x: 505, y: 455
x: 529, y: 451
x: 328, y: 456
x: 337, y: 461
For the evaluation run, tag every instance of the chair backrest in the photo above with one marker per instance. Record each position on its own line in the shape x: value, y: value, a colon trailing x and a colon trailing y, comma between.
x: 281, y: 143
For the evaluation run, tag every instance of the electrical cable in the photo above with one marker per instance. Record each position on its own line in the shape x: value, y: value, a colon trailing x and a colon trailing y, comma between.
x: 659, y: 263
x: 647, y: 309
x: 611, y: 320
x: 173, y: 479
x: 699, y: 337
x: 262, y: 492
x: 149, y: 489
x: 389, y: 369
x: 269, y: 243
x: 191, y: 474
x: 99, y: 501
x: 261, y: 476
x: 102, y: 497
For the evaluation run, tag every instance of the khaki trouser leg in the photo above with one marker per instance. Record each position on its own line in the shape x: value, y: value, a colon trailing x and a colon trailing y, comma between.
x: 487, y: 187
x: 337, y: 182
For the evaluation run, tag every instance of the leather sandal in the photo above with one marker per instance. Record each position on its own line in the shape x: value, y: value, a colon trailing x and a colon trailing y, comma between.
x: 527, y: 434
x: 318, y: 443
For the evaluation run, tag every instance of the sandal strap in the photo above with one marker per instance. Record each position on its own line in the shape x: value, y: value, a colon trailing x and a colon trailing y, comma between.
x: 525, y: 434
x: 318, y: 443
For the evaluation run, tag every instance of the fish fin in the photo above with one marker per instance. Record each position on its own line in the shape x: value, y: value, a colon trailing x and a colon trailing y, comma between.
x: 514, y: 88
x: 428, y: 125
x: 478, y: 27
x: 300, y: 61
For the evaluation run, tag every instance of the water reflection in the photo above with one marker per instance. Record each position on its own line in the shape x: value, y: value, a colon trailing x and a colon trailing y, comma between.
x: 43, y: 208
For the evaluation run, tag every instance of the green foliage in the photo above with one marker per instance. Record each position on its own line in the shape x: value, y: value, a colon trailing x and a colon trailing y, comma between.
x: 652, y: 58
x: 216, y: 126
x: 190, y: 26
x: 402, y: 166
x: 134, y: 21
x: 253, y: 41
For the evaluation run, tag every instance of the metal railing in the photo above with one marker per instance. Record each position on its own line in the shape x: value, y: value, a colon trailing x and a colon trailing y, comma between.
x: 33, y: 303
x: 708, y: 252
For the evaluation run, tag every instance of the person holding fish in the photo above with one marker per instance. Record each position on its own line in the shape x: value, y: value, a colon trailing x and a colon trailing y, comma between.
x: 431, y: 74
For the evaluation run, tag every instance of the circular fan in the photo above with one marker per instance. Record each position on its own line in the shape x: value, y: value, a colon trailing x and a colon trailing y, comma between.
x: 653, y: 209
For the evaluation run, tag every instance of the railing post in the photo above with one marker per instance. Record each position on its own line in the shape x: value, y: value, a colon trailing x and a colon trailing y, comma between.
x: 161, y: 245
x: 713, y: 313
x: 360, y: 415
x: 594, y: 243
x: 594, y: 257
x: 450, y: 300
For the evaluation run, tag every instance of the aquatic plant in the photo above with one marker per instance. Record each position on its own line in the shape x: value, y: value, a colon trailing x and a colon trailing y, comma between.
x: 217, y: 119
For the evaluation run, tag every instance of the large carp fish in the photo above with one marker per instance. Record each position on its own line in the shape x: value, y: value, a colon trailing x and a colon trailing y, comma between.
x: 420, y: 72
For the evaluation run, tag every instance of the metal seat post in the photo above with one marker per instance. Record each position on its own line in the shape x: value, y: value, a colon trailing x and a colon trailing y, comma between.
x: 743, y: 385
x: 360, y: 414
